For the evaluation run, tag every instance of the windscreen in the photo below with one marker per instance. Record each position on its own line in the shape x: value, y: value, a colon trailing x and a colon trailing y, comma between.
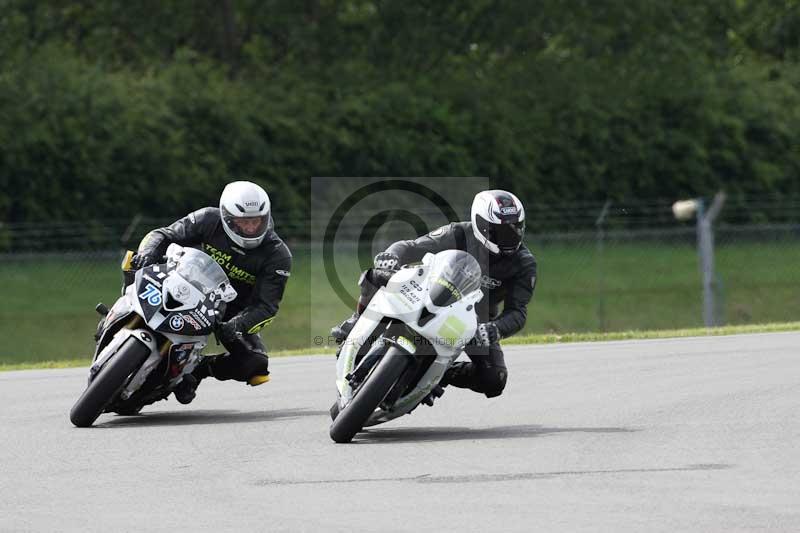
x: 200, y: 270
x: 454, y: 275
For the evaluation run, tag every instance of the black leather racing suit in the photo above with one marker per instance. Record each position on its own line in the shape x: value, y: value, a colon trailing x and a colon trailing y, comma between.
x: 259, y: 276
x: 507, y: 280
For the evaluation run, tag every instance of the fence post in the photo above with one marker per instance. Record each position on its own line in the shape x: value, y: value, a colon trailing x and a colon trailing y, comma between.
x: 126, y: 235
x: 705, y: 248
x: 685, y: 210
x: 601, y: 285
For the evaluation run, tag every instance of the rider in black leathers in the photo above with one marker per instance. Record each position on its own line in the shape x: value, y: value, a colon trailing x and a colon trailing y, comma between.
x: 239, y: 236
x: 494, y: 238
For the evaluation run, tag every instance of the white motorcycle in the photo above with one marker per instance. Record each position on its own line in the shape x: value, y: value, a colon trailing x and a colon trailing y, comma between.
x: 413, y: 329
x: 153, y: 335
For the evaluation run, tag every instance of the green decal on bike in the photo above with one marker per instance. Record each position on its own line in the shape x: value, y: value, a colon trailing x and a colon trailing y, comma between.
x: 452, y: 329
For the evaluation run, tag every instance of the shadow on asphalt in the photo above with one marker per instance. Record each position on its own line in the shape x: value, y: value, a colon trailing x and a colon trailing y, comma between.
x: 438, y: 434
x: 203, y: 417
x: 512, y: 476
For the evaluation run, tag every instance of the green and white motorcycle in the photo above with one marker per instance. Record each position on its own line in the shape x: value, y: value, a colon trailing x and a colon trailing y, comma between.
x: 413, y: 329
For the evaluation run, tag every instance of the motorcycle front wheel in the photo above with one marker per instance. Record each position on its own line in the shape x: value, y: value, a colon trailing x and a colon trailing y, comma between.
x: 108, y: 382
x: 351, y: 419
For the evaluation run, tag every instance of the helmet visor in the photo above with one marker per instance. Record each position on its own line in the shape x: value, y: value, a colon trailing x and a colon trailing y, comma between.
x: 507, y: 236
x: 246, y: 227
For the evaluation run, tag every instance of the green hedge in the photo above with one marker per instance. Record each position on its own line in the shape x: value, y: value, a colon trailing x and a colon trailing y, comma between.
x: 106, y: 114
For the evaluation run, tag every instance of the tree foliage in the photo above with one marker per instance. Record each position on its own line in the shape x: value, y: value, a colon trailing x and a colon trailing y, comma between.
x: 115, y: 108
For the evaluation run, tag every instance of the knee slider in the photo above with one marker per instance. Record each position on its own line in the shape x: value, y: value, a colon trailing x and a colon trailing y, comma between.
x: 493, y: 381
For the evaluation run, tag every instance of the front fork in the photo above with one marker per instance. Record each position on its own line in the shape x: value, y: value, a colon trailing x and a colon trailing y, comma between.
x: 397, y: 336
x: 403, y: 344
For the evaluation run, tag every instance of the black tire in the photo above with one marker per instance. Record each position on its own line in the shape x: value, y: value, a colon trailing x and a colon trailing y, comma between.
x: 351, y: 419
x: 108, y: 382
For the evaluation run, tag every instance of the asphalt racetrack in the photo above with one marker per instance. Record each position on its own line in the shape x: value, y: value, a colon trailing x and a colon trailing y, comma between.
x: 698, y: 434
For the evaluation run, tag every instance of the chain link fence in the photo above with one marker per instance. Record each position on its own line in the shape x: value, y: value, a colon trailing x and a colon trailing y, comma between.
x: 602, y: 267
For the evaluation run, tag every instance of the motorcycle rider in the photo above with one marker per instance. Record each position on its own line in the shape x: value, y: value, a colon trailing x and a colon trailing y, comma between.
x: 239, y: 236
x: 494, y: 237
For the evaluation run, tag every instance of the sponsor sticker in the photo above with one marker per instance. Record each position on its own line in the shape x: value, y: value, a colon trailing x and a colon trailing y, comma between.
x: 192, y: 322
x: 409, y: 293
x: 201, y: 318
x: 284, y: 273
x: 510, y: 210
x: 176, y: 323
x: 181, y: 351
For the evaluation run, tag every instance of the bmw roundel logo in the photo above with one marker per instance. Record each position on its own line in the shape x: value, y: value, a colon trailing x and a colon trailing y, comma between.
x: 176, y: 322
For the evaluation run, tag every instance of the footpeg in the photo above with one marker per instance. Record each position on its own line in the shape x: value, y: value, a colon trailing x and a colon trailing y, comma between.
x: 436, y: 392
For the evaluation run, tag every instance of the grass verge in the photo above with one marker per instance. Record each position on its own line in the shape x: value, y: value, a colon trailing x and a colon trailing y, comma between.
x: 47, y: 312
x: 524, y: 339
x: 553, y: 338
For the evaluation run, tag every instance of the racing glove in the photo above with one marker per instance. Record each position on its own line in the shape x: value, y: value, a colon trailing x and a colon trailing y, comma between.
x: 486, y: 334
x: 143, y: 259
x: 387, y: 261
x: 229, y: 331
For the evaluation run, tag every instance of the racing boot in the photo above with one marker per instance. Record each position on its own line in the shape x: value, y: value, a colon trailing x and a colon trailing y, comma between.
x: 369, y: 282
x: 258, y: 379
x: 460, y: 374
x: 102, y: 310
x: 477, y: 376
x: 340, y: 332
x: 186, y: 390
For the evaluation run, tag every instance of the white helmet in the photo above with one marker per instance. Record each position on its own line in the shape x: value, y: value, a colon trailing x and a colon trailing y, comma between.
x: 245, y: 211
x: 498, y: 221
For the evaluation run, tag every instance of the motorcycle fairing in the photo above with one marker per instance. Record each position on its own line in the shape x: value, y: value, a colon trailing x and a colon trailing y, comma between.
x: 403, y: 300
x: 154, y: 285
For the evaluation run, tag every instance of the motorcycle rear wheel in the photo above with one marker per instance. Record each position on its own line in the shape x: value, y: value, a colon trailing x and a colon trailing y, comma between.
x: 351, y: 419
x: 108, y: 382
